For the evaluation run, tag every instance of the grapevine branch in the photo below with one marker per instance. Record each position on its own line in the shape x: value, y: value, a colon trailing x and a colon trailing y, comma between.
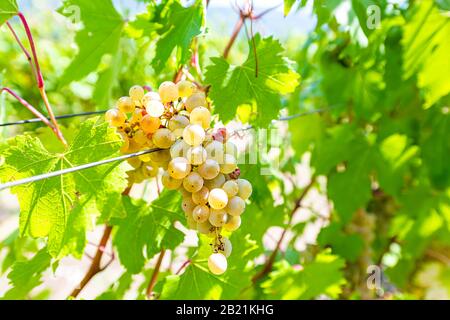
x: 65, y: 116
x: 155, y: 274
x: 269, y: 263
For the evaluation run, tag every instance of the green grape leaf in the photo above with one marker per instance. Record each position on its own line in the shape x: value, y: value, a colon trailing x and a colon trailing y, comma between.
x: 61, y: 208
x: 426, y: 48
x: 103, y: 27
x: 321, y: 276
x: 306, y: 131
x: 181, y: 25
x: 198, y: 283
x: 147, y: 229
x: 26, y: 275
x: 360, y: 7
x: 8, y: 9
x: 232, y: 86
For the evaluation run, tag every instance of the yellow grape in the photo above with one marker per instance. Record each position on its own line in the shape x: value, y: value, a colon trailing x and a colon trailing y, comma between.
x: 217, y: 198
x: 196, y: 100
x: 168, y: 91
x: 194, y: 134
x: 226, y: 247
x: 209, y: 169
x: 140, y: 137
x: 235, y: 206
x: 134, y: 162
x: 196, y: 155
x: 200, y: 197
x: 188, y: 205
x: 137, y: 115
x: 179, y: 149
x: 205, y: 228
x: 162, y: 138
x: 245, y: 188
x: 217, y: 263
x: 177, y: 124
x: 200, y: 213
x: 125, y: 104
x: 201, y: 116
x: 214, y: 150
x: 136, y: 93
x: 179, y: 168
x: 185, y: 88
x: 231, y: 188
x: 217, y: 217
x: 160, y: 156
x: 169, y: 182
x: 217, y: 182
x: 233, y: 223
x: 229, y: 164
x: 115, y: 117
x: 193, y: 182
x: 150, y: 96
x: 150, y: 124
x: 155, y: 108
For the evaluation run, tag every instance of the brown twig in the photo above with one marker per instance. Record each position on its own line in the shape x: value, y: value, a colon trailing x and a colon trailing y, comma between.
x: 184, y: 265
x: 177, y: 76
x: 269, y: 263
x: 154, y: 278
x: 236, y: 30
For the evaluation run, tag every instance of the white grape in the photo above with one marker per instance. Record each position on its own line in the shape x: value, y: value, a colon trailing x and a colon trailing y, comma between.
x: 227, y: 247
x: 196, y: 155
x: 169, y: 182
x: 160, y: 156
x: 200, y: 213
x: 235, y: 206
x: 188, y: 205
x: 245, y: 188
x: 196, y: 100
x: 179, y: 168
x: 214, y: 150
x: 179, y: 149
x: 217, y: 217
x: 194, y: 134
x: 205, y: 227
x: 136, y: 93
x: 163, y: 138
x: 150, y: 124
x: 217, y: 263
x: 115, y: 117
x: 200, y: 197
x: 217, y: 198
x: 177, y: 124
x: 185, y: 88
x: 201, y: 116
x: 231, y: 188
x: 125, y: 104
x: 154, y: 108
x: 217, y: 182
x: 168, y: 91
x: 229, y: 164
x: 233, y: 223
x: 209, y: 169
x: 150, y: 96
x: 193, y: 182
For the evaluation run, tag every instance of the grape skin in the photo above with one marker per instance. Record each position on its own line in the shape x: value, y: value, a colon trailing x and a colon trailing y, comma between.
x: 245, y: 188
x: 209, y: 169
x: 200, y: 213
x: 233, y: 223
x: 235, y: 206
x: 179, y: 168
x: 217, y: 198
x: 194, y: 134
x: 115, y: 117
x: 168, y: 91
x: 217, y: 263
x: 193, y: 182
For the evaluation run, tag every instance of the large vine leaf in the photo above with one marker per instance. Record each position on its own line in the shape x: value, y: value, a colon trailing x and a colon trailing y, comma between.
x: 103, y: 27
x: 182, y: 25
x: 147, y: 229
x: 232, y: 86
x: 8, y: 9
x: 61, y: 208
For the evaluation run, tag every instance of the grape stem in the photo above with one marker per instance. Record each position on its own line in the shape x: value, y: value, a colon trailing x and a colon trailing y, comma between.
x: 269, y: 263
x: 154, y: 278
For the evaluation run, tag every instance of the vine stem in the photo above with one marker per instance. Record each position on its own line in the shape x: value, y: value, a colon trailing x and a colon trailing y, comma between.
x: 40, y: 78
x: 154, y: 278
x: 269, y: 263
x: 236, y: 30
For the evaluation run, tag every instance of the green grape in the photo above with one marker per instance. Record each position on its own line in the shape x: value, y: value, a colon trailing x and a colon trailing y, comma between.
x: 193, y: 182
x: 200, y: 197
x: 185, y: 88
x: 179, y: 168
x: 217, y: 182
x: 200, y: 213
x: 155, y: 108
x: 150, y: 124
x: 116, y: 118
x: 217, y: 217
x: 136, y: 93
x: 228, y: 165
x: 217, y: 198
x: 168, y: 91
x: 231, y: 188
x: 195, y: 100
x: 201, y: 116
x: 217, y: 263
x: 235, y: 206
x: 163, y: 138
x: 169, y: 182
x: 209, y: 169
x: 196, y: 155
x: 233, y: 223
x: 125, y: 104
x: 194, y: 134
x: 245, y: 188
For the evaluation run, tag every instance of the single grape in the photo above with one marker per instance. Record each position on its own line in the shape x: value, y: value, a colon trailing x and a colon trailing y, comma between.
x: 169, y: 182
x: 137, y: 115
x: 217, y: 263
x: 200, y: 213
x: 214, y: 150
x: 228, y: 165
x: 168, y: 91
x: 134, y: 162
x: 195, y: 100
x: 163, y: 138
x: 201, y: 116
x: 231, y: 188
x: 185, y: 88
x: 188, y: 205
x: 150, y: 96
x: 154, y: 108
x: 200, y: 197
x: 245, y: 188
x: 217, y: 182
x: 194, y: 134
x: 217, y: 217
x: 233, y: 223
x: 160, y: 156
x: 125, y: 104
x: 235, y: 206
x: 205, y: 227
x: 179, y: 149
x: 196, y: 155
x: 226, y: 247
x: 217, y: 198
x: 177, y: 124
x: 140, y: 137
x: 179, y: 168
x: 209, y: 169
x: 150, y: 124
x: 115, y: 117
x: 193, y: 182
x: 136, y: 93
x: 149, y: 171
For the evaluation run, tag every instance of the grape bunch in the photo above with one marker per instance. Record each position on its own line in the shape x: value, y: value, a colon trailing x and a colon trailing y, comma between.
x: 197, y: 160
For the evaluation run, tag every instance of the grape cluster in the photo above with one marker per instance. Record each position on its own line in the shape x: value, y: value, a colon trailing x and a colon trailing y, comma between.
x: 198, y: 161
